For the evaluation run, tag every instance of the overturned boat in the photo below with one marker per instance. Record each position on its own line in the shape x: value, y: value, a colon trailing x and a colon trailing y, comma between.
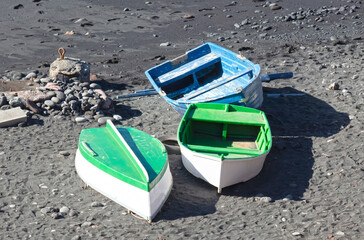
x: 126, y: 165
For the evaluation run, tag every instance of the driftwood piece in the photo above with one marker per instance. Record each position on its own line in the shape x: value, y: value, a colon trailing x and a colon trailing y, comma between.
x: 107, y: 101
x: 32, y: 106
x: 12, y: 117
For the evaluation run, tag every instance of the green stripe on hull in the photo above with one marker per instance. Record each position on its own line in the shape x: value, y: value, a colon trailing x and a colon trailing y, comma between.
x: 104, y: 149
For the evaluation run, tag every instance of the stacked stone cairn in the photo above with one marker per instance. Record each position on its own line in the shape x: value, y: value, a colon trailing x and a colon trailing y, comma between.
x: 66, y: 91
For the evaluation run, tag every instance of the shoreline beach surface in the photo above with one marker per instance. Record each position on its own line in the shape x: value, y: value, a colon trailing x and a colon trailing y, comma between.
x: 311, y: 185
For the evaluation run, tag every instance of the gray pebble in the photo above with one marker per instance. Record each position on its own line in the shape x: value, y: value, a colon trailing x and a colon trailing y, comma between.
x: 84, y: 84
x: 15, y: 102
x: 340, y: 234
x: 73, y: 213
x: 266, y: 199
x: 60, y: 95
x: 64, y: 153
x: 117, y: 117
x: 3, y: 100
x: 80, y: 119
x: 42, y: 89
x: 68, y: 91
x: 45, y: 80
x: 166, y: 44
x: 56, y: 215
x: 49, y: 103
x: 334, y: 86
x: 55, y: 191
x: 346, y: 92
x: 77, y: 237
x: 262, y: 35
x: 95, y: 86
x: 51, y: 94
x: 86, y: 224
x: 45, y: 210
x: 245, y: 22
x: 97, y: 204
x: 14, y: 75
x: 30, y: 75
x: 64, y: 209
x: 55, y: 100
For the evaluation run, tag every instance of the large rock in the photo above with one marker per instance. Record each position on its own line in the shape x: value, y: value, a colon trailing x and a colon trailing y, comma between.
x: 71, y: 67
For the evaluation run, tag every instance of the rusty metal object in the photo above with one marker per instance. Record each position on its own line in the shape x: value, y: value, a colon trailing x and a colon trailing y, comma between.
x: 61, y: 52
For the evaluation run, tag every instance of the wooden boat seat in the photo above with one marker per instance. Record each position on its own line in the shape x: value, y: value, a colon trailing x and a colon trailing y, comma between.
x: 228, y: 117
x: 187, y: 69
x: 224, y: 150
x: 216, y: 84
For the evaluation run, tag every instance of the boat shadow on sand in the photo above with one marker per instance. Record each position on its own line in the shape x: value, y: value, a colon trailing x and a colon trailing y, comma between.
x: 294, y: 122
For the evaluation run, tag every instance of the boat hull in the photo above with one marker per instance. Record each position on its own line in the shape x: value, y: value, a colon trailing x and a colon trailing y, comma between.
x: 145, y: 204
x: 221, y: 173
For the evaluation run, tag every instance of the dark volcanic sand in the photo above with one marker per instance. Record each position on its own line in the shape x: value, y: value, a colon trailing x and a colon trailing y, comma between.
x: 313, y: 176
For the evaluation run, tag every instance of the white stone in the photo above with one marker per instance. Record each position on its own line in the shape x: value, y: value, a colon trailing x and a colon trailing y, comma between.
x: 166, y: 44
x: 117, y: 117
x: 80, y: 119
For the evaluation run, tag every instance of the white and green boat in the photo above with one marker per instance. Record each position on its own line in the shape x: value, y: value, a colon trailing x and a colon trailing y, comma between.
x: 126, y: 165
x: 224, y: 144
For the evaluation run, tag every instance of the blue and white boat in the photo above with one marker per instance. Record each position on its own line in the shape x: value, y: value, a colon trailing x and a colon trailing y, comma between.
x: 208, y: 73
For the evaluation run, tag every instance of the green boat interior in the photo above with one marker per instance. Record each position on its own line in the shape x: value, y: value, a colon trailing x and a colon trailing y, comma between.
x: 226, y: 132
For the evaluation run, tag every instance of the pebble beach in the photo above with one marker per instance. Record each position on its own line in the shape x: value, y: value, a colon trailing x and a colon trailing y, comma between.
x: 311, y: 185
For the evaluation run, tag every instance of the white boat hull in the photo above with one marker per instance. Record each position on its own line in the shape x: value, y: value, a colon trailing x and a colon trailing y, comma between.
x: 221, y: 173
x: 145, y: 204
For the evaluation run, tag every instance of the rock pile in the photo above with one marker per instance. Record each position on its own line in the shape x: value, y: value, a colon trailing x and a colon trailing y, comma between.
x: 61, y: 96
x: 67, y: 91
x: 319, y: 13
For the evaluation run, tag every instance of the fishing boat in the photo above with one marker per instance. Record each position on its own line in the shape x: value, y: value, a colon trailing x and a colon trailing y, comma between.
x: 208, y: 73
x: 126, y: 165
x: 224, y: 144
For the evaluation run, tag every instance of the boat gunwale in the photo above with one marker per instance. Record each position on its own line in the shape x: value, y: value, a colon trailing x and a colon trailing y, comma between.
x: 186, y: 119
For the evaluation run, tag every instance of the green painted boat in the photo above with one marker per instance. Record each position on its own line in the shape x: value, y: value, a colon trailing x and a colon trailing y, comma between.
x: 224, y: 144
x: 126, y: 165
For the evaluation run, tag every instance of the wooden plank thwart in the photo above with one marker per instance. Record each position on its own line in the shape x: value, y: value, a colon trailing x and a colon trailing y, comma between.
x: 12, y: 117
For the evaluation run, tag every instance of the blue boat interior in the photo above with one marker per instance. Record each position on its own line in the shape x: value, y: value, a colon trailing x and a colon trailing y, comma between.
x: 206, y: 72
